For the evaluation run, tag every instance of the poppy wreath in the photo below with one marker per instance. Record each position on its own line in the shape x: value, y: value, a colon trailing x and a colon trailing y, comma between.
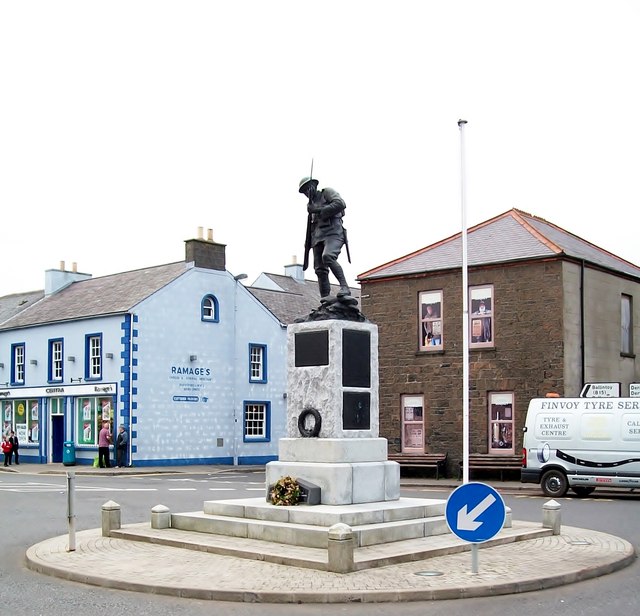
x: 285, y: 492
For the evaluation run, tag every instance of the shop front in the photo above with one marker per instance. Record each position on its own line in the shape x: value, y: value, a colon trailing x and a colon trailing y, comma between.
x: 44, y: 418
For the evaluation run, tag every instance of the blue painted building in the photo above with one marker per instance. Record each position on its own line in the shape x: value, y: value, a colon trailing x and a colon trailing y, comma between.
x: 191, y: 361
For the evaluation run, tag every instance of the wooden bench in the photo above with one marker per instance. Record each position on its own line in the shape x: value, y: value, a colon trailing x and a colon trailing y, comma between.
x: 492, y: 462
x: 422, y: 460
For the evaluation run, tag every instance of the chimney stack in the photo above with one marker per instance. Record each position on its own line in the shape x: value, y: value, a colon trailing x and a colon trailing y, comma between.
x: 294, y: 270
x: 206, y: 253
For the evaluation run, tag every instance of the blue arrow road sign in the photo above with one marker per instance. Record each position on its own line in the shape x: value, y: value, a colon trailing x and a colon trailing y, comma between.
x: 475, y: 512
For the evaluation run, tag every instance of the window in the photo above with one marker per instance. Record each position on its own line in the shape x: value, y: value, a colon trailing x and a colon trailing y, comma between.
x: 90, y: 413
x: 56, y: 406
x: 22, y: 416
x: 209, y: 309
x: 257, y: 363
x: 501, y: 422
x: 17, y: 364
x: 257, y: 421
x: 431, y: 334
x: 412, y: 424
x: 626, y: 325
x: 481, y: 318
x: 55, y: 360
x: 93, y: 361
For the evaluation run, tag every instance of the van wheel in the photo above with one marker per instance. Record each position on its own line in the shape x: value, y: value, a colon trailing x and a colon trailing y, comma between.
x: 582, y: 490
x: 554, y: 483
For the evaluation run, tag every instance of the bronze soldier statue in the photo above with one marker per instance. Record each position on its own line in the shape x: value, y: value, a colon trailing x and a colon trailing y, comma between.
x: 325, y: 235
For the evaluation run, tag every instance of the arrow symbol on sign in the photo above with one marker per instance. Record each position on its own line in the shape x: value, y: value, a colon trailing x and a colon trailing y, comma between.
x: 468, y: 521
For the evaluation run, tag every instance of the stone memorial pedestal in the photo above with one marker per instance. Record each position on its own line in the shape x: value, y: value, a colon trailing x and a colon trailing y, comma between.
x: 333, y: 399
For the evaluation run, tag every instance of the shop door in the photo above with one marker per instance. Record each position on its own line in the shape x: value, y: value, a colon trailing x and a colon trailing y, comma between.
x: 57, y: 437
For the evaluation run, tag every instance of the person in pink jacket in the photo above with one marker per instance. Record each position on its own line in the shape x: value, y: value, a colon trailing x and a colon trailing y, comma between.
x: 104, y: 440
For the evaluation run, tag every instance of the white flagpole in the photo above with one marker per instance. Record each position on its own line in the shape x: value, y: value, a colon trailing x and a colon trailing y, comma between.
x: 465, y: 313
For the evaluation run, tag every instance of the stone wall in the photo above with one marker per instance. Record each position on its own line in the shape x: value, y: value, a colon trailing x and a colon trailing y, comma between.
x: 527, y: 358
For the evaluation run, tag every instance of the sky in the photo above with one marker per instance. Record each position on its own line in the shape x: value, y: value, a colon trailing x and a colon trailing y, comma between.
x: 126, y: 125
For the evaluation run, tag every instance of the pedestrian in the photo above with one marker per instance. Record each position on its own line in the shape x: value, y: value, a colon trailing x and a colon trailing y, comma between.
x: 122, y: 440
x: 325, y: 235
x: 6, y: 450
x: 15, y: 445
x: 104, y: 440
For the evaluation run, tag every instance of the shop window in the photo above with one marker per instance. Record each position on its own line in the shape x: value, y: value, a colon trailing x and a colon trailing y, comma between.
x: 257, y: 363
x: 412, y: 424
x: 256, y: 421
x: 55, y: 361
x: 90, y: 413
x: 17, y: 364
x: 626, y: 325
x: 482, y: 317
x: 501, y: 422
x: 210, y: 309
x: 22, y: 416
x: 93, y: 357
x: 431, y: 335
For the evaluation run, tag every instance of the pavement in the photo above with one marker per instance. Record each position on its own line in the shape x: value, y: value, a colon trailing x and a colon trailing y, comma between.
x: 519, y: 560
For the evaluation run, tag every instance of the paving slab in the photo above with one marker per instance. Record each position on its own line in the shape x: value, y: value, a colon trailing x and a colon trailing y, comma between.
x: 544, y: 562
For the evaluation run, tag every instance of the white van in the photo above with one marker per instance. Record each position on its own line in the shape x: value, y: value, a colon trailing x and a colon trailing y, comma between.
x: 582, y: 443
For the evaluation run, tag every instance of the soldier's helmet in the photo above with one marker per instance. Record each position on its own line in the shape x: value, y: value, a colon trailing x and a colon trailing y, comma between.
x: 304, y: 182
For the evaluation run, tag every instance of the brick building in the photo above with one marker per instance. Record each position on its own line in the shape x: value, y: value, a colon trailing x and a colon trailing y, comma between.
x: 548, y: 312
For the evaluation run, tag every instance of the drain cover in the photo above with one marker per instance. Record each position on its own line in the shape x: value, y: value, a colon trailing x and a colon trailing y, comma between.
x: 429, y: 573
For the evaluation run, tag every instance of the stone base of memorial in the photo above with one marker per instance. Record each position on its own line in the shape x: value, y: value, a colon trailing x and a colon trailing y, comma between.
x: 332, y: 415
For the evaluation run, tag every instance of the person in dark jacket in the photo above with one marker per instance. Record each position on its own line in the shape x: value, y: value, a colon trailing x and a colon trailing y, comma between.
x: 122, y: 441
x: 15, y: 445
x: 325, y: 235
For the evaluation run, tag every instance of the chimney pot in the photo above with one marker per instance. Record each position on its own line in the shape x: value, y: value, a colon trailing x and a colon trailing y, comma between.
x: 62, y: 266
x: 200, y: 230
x: 210, y: 235
x: 74, y: 267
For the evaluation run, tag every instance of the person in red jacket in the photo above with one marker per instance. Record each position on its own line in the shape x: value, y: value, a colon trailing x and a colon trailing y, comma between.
x: 6, y: 450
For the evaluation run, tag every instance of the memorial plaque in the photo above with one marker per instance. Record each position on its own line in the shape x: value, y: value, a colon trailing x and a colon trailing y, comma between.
x: 356, y: 358
x: 356, y: 410
x: 312, y: 348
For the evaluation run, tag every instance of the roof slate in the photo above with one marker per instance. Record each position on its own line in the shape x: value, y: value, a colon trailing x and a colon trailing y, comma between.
x: 297, y: 298
x: 512, y: 236
x: 11, y: 305
x: 113, y: 294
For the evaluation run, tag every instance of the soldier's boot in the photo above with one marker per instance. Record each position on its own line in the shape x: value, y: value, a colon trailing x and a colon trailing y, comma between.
x: 324, y: 286
x: 342, y: 281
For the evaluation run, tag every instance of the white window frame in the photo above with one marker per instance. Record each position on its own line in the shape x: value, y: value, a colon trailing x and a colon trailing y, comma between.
x: 412, y: 421
x: 209, y: 309
x: 501, y: 422
x: 256, y: 421
x: 482, y: 317
x: 56, y: 360
x: 430, y: 316
x: 94, y: 360
x: 19, y: 364
x: 257, y: 363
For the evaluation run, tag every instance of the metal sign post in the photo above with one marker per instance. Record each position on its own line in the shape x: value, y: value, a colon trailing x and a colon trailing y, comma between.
x: 475, y: 512
x: 465, y: 311
x: 71, y: 509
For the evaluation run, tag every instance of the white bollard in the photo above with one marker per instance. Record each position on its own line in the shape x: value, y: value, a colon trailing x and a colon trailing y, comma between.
x: 340, y: 548
x: 110, y: 518
x: 551, y: 516
x: 160, y: 517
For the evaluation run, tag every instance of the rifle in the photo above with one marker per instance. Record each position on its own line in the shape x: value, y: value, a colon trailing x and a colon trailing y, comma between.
x: 307, y: 238
x: 307, y: 243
